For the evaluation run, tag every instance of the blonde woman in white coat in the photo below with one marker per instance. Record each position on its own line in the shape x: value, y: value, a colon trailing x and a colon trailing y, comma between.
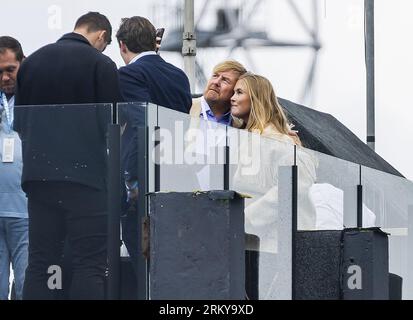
x: 254, y: 101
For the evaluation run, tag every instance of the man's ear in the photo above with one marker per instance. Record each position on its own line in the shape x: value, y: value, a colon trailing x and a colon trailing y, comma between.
x: 123, y: 47
x: 102, y: 35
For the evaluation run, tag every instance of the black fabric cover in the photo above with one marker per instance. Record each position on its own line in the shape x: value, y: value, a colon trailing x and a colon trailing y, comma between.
x: 323, y: 133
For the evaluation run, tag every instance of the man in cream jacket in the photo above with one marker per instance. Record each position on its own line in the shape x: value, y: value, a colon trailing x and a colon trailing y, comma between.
x: 215, y: 104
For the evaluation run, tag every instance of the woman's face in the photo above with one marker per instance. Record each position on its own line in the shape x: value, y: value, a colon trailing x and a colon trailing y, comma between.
x: 240, y: 101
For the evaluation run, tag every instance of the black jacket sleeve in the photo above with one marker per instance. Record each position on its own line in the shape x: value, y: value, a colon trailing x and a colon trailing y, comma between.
x: 107, y: 82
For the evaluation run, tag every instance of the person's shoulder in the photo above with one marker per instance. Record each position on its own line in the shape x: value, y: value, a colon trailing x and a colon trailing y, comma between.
x: 195, y: 110
x: 271, y: 132
x: 100, y: 59
x: 144, y: 64
x: 146, y: 61
x: 135, y: 70
x: 197, y: 102
x: 40, y: 52
x: 177, y: 70
x: 170, y: 66
x: 105, y: 58
x: 149, y: 60
x: 40, y: 56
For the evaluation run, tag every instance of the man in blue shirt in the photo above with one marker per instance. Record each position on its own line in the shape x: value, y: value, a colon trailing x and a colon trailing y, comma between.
x: 13, y: 203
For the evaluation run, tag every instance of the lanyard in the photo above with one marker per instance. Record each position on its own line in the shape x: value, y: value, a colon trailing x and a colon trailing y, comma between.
x: 9, y: 115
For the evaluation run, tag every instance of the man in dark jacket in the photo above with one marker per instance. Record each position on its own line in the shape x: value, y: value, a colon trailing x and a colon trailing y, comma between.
x: 64, y: 157
x: 145, y: 78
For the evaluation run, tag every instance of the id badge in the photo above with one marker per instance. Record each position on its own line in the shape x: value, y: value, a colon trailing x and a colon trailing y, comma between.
x: 8, y: 150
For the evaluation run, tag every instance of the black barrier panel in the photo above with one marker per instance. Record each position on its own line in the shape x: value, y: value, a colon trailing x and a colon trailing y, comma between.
x: 197, y: 246
x: 350, y: 264
x: 365, y: 265
x: 318, y: 260
x: 391, y: 199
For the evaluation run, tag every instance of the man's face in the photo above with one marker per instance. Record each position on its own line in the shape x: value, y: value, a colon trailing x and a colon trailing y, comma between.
x: 220, y: 88
x: 8, y: 71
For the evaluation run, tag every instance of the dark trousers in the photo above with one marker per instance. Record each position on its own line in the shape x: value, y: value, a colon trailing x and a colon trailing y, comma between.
x: 130, y: 236
x: 60, y: 211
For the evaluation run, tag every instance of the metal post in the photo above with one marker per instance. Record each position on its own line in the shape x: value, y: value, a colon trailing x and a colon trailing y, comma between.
x: 360, y: 201
x: 189, y: 43
x: 408, y: 291
x: 359, y: 206
x: 114, y: 209
x: 369, y: 47
x: 157, y: 159
x: 143, y: 289
x: 227, y: 161
x: 294, y: 223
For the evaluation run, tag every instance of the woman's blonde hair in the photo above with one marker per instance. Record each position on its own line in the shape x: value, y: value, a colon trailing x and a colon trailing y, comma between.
x: 265, y: 108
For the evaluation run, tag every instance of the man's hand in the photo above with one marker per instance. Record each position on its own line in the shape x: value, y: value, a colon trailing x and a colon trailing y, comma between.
x: 132, y: 188
x: 291, y: 132
x: 294, y: 135
x: 159, y: 35
x: 133, y: 194
x: 158, y: 43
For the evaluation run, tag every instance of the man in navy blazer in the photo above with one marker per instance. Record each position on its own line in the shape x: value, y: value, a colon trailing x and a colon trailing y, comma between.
x: 145, y: 78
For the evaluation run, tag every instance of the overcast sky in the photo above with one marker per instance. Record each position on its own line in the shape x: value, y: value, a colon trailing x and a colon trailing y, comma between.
x: 340, y: 78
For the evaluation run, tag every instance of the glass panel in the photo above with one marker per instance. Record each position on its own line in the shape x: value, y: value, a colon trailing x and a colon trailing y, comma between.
x: 390, y: 199
x: 133, y: 119
x: 65, y: 142
x: 191, y: 152
x: 64, y: 153
x: 327, y: 191
x: 261, y: 168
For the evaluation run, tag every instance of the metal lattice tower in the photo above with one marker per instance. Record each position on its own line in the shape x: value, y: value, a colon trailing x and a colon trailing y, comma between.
x: 232, y: 25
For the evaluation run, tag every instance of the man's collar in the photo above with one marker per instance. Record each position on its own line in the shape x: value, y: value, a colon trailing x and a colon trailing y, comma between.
x: 75, y: 36
x: 8, y: 96
x: 205, y: 106
x: 142, y: 54
x: 227, y: 118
